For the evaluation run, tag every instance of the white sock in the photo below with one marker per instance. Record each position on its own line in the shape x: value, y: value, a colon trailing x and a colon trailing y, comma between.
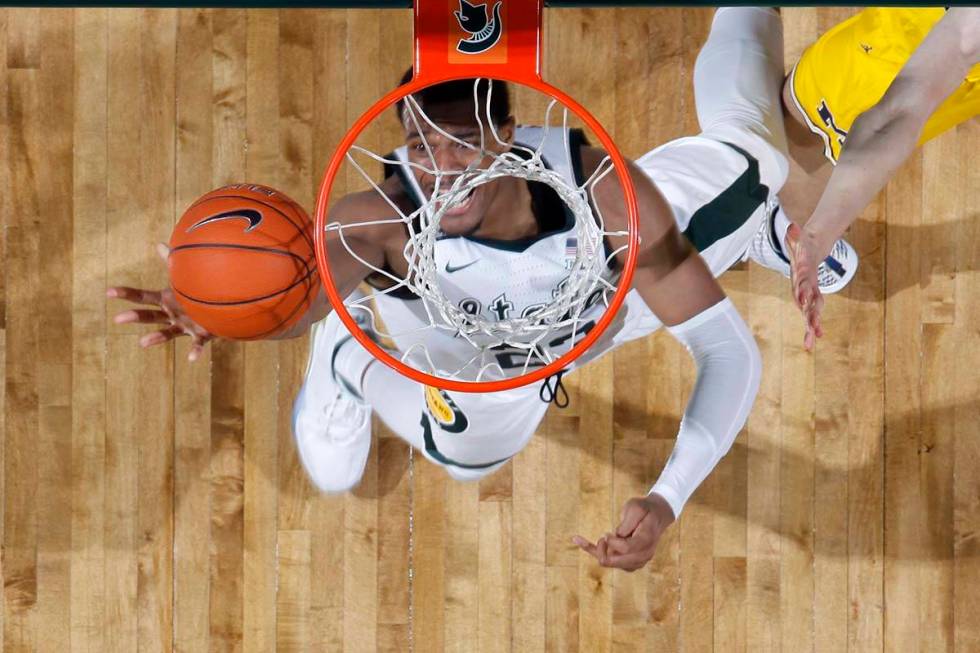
x: 781, y: 226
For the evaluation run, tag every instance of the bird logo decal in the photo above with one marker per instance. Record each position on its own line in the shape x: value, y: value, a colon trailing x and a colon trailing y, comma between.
x: 484, y: 31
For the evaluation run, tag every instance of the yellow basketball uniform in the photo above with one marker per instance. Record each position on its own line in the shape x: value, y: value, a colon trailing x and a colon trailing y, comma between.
x: 849, y: 68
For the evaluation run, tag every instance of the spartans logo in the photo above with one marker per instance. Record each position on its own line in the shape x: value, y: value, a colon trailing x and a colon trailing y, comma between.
x: 444, y: 411
x: 484, y: 31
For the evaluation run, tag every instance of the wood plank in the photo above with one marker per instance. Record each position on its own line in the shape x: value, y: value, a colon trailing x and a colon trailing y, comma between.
x: 529, y: 535
x: 24, y: 44
x: 562, y: 556
x: 192, y: 387
x: 54, y: 75
x: 762, y: 442
x: 393, y: 565
x: 494, y: 628
x: 293, y: 600
x: 966, y: 476
x: 125, y: 265
x: 227, y: 477
x: 5, y: 184
x: 259, y: 575
x: 796, y: 572
x: 935, y: 570
x: 88, y: 339
x: 562, y: 629
x: 596, y: 516
x: 330, y: 122
x: 904, y: 507
x: 866, y: 420
x: 230, y: 39
x: 429, y: 561
x: 21, y: 407
x: 464, y: 565
x: 832, y: 401
x: 939, y: 392
x: 729, y: 604
x: 156, y: 445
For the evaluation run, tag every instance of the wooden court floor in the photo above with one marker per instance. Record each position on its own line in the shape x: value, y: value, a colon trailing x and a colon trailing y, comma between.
x: 152, y: 505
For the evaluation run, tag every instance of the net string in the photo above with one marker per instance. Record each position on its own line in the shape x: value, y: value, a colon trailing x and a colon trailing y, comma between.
x: 528, y: 333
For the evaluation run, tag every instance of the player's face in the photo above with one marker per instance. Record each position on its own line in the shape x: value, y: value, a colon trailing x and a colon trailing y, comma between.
x: 453, y: 154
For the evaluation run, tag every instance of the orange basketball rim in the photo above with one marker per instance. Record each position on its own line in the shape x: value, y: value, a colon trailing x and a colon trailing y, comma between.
x: 511, y: 52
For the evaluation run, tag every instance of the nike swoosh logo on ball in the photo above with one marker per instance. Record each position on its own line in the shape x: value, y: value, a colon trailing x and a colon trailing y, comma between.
x: 450, y: 268
x: 253, y: 217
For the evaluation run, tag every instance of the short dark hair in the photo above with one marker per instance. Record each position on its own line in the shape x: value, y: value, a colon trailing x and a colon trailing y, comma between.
x: 462, y: 89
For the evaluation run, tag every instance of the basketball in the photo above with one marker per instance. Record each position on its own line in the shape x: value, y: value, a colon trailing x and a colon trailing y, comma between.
x: 242, y: 263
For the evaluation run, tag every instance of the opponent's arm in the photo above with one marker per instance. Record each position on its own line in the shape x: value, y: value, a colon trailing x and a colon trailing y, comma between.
x: 880, y: 140
x: 884, y: 136
x: 678, y: 287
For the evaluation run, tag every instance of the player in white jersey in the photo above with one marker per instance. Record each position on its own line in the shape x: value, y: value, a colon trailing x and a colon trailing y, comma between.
x: 503, y: 251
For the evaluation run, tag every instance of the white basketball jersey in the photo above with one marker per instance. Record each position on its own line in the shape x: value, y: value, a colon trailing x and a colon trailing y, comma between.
x: 718, y: 201
x: 500, y: 279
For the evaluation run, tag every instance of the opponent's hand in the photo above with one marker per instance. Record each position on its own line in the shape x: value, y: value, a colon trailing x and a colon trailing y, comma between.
x: 804, y: 260
x: 644, y: 519
x: 165, y: 311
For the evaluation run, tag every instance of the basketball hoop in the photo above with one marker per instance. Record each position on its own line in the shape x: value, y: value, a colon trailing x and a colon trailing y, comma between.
x: 506, y: 47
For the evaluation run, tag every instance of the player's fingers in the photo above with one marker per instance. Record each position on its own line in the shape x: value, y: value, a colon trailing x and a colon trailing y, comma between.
x: 137, y: 295
x: 161, y: 336
x: 583, y: 544
x: 163, y: 251
x: 602, y: 550
x: 633, y: 512
x: 618, y: 546
x: 143, y: 316
x: 630, y: 561
x: 198, y: 342
x: 799, y: 286
x: 196, y: 351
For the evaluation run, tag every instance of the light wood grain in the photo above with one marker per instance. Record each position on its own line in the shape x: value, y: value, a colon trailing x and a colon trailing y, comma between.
x: 152, y: 504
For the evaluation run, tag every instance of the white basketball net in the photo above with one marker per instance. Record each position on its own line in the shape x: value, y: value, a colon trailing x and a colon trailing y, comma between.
x: 588, y: 277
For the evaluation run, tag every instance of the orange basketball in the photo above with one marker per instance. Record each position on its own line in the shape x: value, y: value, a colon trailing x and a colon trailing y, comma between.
x: 242, y: 262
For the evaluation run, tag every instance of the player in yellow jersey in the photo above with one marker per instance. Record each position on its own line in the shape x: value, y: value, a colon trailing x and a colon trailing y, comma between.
x: 848, y: 70
x: 858, y: 103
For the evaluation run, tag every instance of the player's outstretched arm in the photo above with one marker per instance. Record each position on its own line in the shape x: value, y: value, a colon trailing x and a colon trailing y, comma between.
x: 879, y: 141
x: 162, y: 309
x: 366, y: 241
x: 679, y: 288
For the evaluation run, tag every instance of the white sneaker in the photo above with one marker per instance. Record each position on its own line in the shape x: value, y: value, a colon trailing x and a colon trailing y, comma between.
x: 837, y: 270
x: 331, y: 424
x: 833, y: 273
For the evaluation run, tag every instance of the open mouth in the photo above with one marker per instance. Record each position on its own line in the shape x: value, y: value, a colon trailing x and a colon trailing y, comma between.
x: 460, y: 203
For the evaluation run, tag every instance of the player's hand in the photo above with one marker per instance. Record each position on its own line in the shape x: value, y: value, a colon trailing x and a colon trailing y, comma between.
x: 644, y: 520
x: 804, y: 260
x: 165, y: 311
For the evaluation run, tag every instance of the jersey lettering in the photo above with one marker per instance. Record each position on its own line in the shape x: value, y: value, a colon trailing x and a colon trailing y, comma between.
x: 828, y: 119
